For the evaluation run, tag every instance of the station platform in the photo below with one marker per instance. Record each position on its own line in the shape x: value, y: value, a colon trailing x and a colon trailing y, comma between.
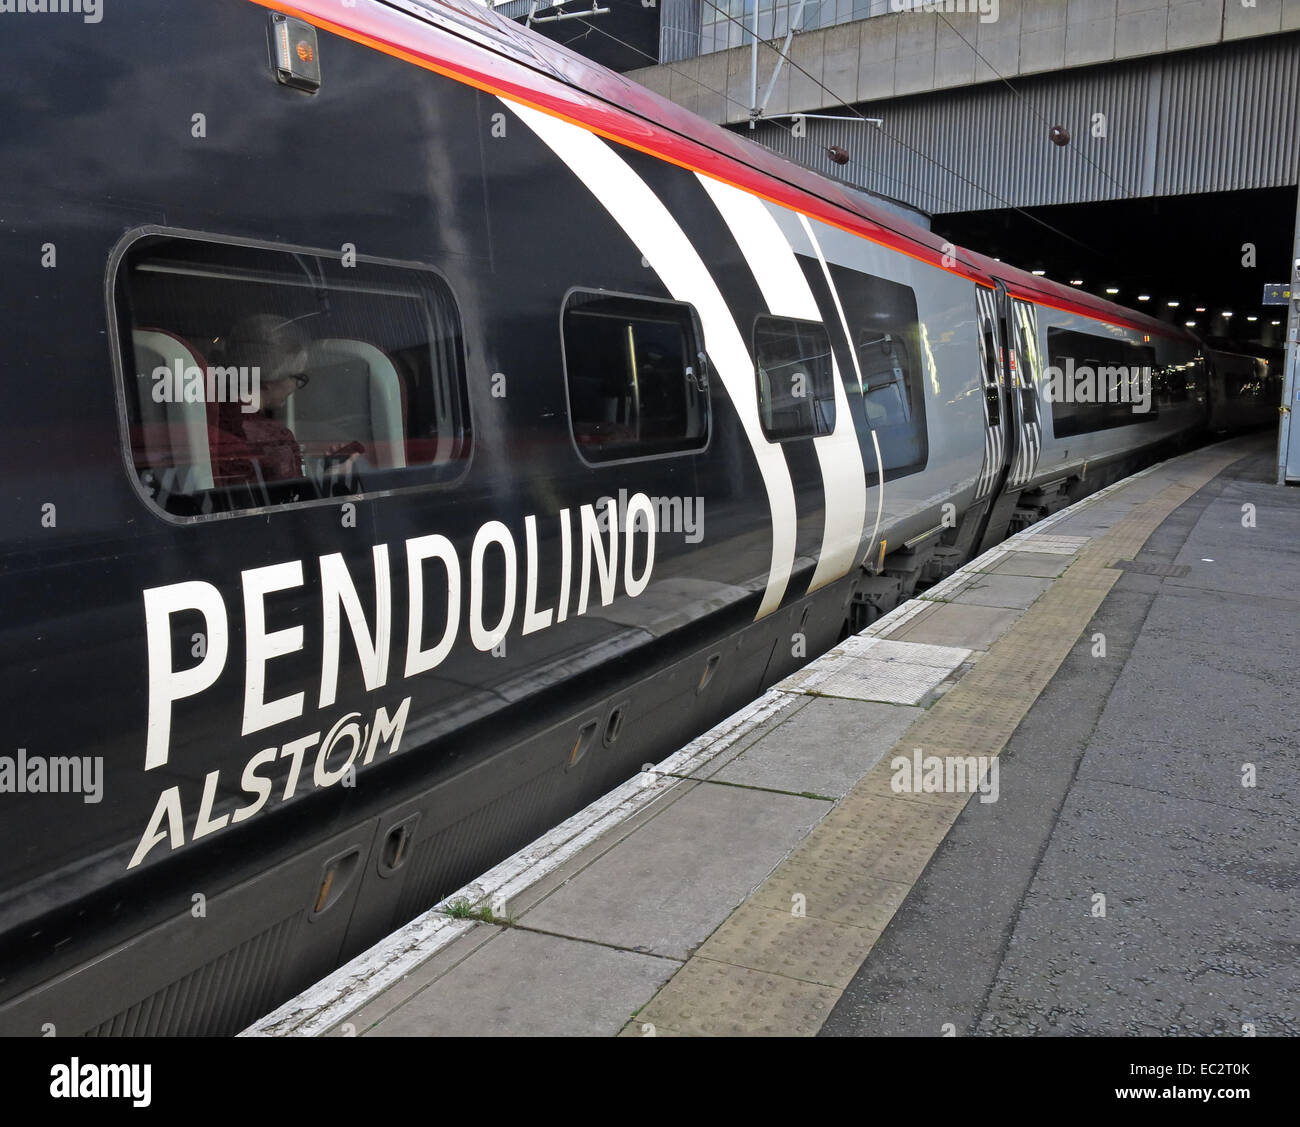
x: 1054, y: 794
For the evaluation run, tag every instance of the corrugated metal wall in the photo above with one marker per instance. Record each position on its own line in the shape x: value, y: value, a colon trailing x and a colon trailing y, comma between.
x: 1213, y: 120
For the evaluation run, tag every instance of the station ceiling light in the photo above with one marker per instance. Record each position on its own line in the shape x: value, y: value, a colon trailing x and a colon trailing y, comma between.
x: 1173, y: 305
x: 1112, y: 290
x: 1077, y: 282
x: 1039, y: 273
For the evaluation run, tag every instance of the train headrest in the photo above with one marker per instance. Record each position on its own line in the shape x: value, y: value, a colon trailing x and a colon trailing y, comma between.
x: 173, y: 435
x: 355, y: 394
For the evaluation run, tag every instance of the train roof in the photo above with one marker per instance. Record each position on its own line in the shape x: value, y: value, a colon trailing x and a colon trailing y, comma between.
x: 497, y: 55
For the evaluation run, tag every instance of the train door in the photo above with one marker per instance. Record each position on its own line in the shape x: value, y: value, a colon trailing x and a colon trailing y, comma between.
x: 997, y: 420
x: 1023, y: 370
x: 1012, y: 369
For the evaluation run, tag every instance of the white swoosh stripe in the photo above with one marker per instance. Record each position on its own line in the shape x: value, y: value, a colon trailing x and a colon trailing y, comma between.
x: 853, y: 355
x: 650, y: 226
x: 787, y: 294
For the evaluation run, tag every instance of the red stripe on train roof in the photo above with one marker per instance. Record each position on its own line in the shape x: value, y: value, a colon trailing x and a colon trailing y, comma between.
x: 631, y: 115
x: 678, y: 136
x: 1053, y: 295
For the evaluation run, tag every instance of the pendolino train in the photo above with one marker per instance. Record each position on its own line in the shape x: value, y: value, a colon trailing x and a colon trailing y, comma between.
x: 410, y: 430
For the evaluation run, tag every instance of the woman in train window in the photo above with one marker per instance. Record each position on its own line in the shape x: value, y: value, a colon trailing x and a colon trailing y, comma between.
x: 256, y: 448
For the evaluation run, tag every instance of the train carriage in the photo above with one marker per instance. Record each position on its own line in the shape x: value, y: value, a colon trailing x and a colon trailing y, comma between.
x: 413, y: 429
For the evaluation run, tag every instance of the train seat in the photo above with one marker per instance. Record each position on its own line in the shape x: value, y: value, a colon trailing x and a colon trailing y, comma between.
x: 171, y: 439
x: 354, y: 395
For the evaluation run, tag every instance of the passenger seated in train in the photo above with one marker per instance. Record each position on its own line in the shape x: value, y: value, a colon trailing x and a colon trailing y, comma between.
x: 257, y: 447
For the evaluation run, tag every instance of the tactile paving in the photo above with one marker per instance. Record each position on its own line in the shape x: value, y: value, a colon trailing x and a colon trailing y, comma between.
x: 802, y: 947
x: 709, y: 998
x: 828, y: 893
x: 868, y: 851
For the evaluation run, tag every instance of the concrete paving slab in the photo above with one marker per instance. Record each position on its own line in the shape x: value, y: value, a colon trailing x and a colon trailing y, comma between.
x: 536, y: 892
x: 791, y: 703
x: 833, y: 745
x: 957, y: 624
x: 1055, y: 541
x: 865, y: 679
x: 681, y: 874
x: 1045, y: 564
x: 780, y: 942
x: 991, y: 590
x: 361, y: 1021
x: 522, y: 984
x: 946, y: 658
x: 899, y: 672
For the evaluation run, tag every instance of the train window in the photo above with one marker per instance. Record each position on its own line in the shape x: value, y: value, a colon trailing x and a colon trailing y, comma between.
x: 989, y: 355
x: 1096, y: 383
x: 886, y: 336
x: 258, y: 377
x: 796, y: 390
x: 636, y: 377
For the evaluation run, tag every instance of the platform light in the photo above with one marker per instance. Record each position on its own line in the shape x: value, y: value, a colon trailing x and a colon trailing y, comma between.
x: 1173, y: 305
x: 1190, y: 324
x: 1144, y: 297
x: 1200, y: 309
x: 1227, y: 314
x: 1275, y: 323
x: 1252, y: 319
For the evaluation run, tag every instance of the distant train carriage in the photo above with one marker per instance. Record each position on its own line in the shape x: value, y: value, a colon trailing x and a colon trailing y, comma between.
x: 1247, y: 391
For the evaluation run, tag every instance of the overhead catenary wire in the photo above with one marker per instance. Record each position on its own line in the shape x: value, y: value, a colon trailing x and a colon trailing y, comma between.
x: 837, y: 100
x: 736, y: 102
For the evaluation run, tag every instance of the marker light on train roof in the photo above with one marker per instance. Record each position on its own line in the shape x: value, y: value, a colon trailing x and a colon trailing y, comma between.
x: 295, y: 53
